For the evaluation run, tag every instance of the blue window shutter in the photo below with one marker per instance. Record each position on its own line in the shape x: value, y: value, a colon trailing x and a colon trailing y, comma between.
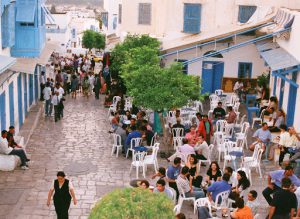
x: 8, y: 26
x: 245, y: 13
x: 192, y: 18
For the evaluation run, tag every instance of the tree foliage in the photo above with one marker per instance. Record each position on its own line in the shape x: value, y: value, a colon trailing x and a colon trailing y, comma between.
x: 92, y: 39
x: 133, y: 203
x: 118, y: 55
x: 154, y: 87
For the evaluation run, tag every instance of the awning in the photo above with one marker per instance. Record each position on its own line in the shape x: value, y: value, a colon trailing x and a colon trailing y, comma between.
x: 48, y: 14
x: 277, y: 58
x: 6, y: 62
x: 25, y: 13
x: 27, y: 65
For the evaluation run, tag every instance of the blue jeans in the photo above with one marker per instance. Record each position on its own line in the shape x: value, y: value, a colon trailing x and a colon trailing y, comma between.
x: 21, y: 154
x: 197, y: 193
x: 47, y: 105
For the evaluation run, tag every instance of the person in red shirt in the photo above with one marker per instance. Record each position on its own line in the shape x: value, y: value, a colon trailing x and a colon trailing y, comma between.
x: 205, y: 128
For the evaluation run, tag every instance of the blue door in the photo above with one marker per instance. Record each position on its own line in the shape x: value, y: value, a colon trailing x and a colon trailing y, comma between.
x: 11, y: 105
x: 292, y: 102
x: 2, y: 111
x: 30, y: 89
x: 25, y: 95
x: 281, y: 93
x: 212, y: 75
x: 20, y: 100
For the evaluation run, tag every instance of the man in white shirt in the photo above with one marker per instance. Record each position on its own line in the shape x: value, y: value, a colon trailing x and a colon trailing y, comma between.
x: 42, y: 84
x: 252, y: 202
x: 47, y: 98
x: 55, y: 103
x: 201, y: 149
x: 161, y: 187
x: 91, y: 80
x: 287, y: 139
x: 185, y: 186
x: 182, y: 151
x: 59, y: 89
x: 4, y: 149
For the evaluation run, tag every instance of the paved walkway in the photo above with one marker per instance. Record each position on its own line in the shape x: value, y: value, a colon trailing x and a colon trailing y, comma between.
x: 80, y: 145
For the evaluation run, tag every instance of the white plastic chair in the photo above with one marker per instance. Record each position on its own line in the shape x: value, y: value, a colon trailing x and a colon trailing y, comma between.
x: 152, y: 159
x: 208, y: 159
x: 220, y: 144
x: 115, y: 101
x: 182, y: 196
x: 242, y: 135
x: 177, y: 142
x: 220, y: 128
x: 239, y: 125
x: 213, y: 98
x: 177, y: 132
x: 137, y: 162
x: 117, y: 144
x: 153, y: 140
x: 230, y: 147
x: 174, y: 196
x: 259, y: 119
x: 255, y: 163
x: 224, y: 200
x: 218, y: 92
x: 203, y: 202
x: 134, y: 143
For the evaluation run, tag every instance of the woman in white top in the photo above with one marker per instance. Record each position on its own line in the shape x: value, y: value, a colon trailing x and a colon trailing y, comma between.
x: 63, y: 193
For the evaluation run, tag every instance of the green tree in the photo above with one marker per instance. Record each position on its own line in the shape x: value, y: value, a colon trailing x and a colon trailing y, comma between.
x: 154, y: 87
x: 92, y: 39
x: 131, y: 42
x: 99, y: 41
x: 133, y: 203
x: 88, y: 39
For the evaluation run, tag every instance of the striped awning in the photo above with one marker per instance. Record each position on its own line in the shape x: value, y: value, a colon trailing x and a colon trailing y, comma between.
x: 6, y: 62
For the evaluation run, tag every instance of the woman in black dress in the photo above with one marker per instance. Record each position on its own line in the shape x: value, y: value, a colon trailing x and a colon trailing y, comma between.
x: 214, y: 173
x: 194, y: 171
x: 63, y: 193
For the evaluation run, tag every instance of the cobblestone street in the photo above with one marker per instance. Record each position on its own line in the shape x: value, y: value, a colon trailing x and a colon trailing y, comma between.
x: 80, y: 145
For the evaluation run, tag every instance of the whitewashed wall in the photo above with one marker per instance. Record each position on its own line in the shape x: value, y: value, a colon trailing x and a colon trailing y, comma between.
x: 231, y: 59
x: 292, y: 46
x: 5, y: 88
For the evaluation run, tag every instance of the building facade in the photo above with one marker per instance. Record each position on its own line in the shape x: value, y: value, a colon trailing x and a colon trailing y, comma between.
x: 190, y: 30
x: 22, y: 35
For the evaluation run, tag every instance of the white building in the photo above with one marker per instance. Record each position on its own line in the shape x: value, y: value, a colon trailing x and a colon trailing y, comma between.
x: 59, y: 31
x: 192, y: 30
x: 19, y: 79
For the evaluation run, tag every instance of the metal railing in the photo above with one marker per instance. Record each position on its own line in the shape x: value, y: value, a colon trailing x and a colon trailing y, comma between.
x: 236, y: 46
x: 216, y: 40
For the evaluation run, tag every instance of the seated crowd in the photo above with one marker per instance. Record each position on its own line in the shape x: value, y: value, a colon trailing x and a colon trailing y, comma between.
x: 182, y: 178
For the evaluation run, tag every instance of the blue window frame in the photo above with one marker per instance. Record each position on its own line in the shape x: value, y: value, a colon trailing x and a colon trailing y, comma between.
x: 30, y: 89
x: 25, y: 94
x: 292, y: 101
x: 8, y: 26
x: 20, y: 100
x: 104, y: 18
x: 2, y: 111
x: 192, y: 18
x: 11, y: 105
x: 245, y: 70
x: 246, y: 12
x: 185, y: 68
